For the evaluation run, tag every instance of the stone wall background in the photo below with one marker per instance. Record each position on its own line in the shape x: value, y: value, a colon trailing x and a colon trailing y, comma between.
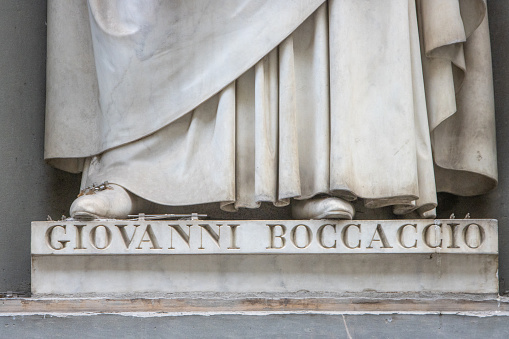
x: 31, y: 190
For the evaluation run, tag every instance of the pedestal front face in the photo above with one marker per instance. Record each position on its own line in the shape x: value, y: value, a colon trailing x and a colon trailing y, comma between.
x: 112, y: 257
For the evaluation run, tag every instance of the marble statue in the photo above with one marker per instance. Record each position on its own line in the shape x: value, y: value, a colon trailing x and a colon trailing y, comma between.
x: 312, y: 103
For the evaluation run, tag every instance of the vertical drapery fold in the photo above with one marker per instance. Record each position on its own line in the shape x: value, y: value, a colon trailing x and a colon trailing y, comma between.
x: 382, y: 101
x: 459, y: 94
x: 373, y: 138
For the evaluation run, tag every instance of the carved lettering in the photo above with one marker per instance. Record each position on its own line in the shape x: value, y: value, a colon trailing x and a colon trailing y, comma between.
x: 151, y: 238
x: 233, y: 237
x: 320, y: 237
x: 345, y: 233
x: 107, y: 237
x: 215, y: 236
x: 401, y: 236
x: 453, y: 235
x: 260, y: 237
x: 381, y: 237
x: 426, y: 236
x: 273, y: 236
x: 125, y: 237
x: 309, y: 236
x: 79, y: 237
x: 49, y: 236
x: 182, y: 234
x: 473, y: 238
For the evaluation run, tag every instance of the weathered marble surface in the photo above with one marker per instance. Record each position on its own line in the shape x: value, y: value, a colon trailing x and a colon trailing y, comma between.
x: 136, y: 268
x: 387, y: 102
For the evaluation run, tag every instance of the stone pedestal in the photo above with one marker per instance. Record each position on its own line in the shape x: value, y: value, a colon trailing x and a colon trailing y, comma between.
x: 124, y: 257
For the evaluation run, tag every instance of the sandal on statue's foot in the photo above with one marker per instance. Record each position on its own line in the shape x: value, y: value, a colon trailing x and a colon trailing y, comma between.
x: 109, y: 202
x: 323, y: 208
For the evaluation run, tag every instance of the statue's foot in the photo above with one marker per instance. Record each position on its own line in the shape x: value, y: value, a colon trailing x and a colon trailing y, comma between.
x: 113, y: 202
x: 323, y: 208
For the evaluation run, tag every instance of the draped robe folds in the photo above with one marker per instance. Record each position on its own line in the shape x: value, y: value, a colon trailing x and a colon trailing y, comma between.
x: 241, y: 102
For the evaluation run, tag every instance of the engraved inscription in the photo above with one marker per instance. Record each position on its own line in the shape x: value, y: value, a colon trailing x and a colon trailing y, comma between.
x: 473, y: 235
x: 320, y: 234
x: 79, y: 237
x: 125, y: 237
x: 150, y: 238
x: 289, y: 236
x: 274, y: 235
x: 453, y: 227
x: 402, y: 236
x: 432, y: 235
x: 213, y: 235
x: 233, y: 237
x: 379, y: 235
x: 186, y: 237
x: 345, y: 236
x: 308, y: 237
x: 49, y: 238
x: 103, y: 241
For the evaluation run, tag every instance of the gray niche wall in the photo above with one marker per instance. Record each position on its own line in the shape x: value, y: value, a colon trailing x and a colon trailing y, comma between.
x: 29, y: 189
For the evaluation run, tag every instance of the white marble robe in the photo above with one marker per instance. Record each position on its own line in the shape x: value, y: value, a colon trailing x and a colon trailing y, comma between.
x: 384, y: 101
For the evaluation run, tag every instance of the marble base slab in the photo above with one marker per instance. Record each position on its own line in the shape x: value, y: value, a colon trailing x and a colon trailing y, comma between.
x: 119, y: 257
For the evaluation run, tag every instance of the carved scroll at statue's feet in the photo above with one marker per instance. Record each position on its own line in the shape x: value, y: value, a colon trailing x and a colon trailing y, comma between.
x: 112, y: 202
x: 322, y: 208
